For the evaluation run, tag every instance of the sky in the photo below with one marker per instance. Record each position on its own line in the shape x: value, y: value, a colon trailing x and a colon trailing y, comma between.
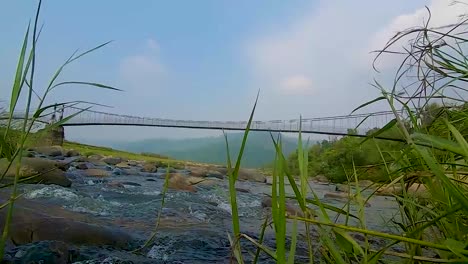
x: 206, y: 60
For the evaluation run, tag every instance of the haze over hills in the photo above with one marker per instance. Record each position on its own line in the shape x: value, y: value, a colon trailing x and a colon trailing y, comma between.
x: 259, y: 150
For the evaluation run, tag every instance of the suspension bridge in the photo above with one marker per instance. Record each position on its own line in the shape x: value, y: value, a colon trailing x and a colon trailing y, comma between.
x: 332, y: 125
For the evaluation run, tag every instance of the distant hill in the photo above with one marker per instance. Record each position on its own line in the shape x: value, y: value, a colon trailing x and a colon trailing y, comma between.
x: 259, y: 150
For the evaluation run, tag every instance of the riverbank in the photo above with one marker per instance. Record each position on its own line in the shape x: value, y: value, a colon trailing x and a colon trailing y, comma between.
x: 97, y: 208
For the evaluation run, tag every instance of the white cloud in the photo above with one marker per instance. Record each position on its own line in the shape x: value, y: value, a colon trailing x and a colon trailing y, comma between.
x: 297, y: 84
x: 143, y: 72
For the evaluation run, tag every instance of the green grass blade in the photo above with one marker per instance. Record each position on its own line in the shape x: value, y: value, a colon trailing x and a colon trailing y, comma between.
x: 292, y: 250
x: 98, y: 85
x: 17, y: 85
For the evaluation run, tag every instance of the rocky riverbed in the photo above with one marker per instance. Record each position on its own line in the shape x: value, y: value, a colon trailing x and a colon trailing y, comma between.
x: 100, y: 209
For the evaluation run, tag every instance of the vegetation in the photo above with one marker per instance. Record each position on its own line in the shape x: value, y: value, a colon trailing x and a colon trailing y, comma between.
x: 434, y: 153
x: 88, y: 150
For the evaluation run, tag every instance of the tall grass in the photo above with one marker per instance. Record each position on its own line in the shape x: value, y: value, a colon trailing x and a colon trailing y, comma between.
x: 432, y: 229
x: 12, y: 142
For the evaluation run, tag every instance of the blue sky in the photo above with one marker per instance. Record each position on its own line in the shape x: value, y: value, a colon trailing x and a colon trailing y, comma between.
x: 205, y: 60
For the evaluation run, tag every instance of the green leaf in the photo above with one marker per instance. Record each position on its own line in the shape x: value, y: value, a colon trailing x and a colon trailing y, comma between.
x: 17, y: 85
x: 86, y: 83
x: 368, y: 103
x: 438, y: 142
x: 292, y: 250
x: 388, y: 126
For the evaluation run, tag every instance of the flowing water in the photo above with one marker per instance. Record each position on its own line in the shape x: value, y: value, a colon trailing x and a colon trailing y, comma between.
x: 194, y: 226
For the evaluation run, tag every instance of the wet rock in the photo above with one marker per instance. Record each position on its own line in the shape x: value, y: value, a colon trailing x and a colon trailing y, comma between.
x: 96, y: 162
x: 72, y: 153
x: 47, y: 171
x: 97, y: 173
x: 45, y: 252
x: 242, y: 190
x: 131, y: 171
x: 151, y: 180
x: 112, y: 160
x: 291, y: 209
x: 51, y: 151
x: 81, y: 166
x: 131, y: 183
x: 35, y: 221
x: 118, y: 171
x: 149, y: 167
x: 115, y: 184
x: 197, y: 171
x: 180, y: 182
x: 251, y: 175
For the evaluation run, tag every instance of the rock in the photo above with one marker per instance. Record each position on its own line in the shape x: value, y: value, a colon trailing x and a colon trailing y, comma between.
x: 112, y: 160
x: 122, y: 165
x: 97, y: 173
x: 47, y: 171
x: 242, y: 190
x: 28, y: 154
x: 291, y: 209
x: 416, y: 190
x: 214, y: 174
x: 180, y: 182
x: 251, y: 175
x: 81, y: 166
x: 132, y: 163
x: 151, y: 180
x: 149, y: 167
x: 365, y: 183
x: 95, y: 157
x: 72, y: 153
x: 342, y: 188
x: 118, y: 171
x: 269, y: 180
x: 320, y: 179
x: 165, y: 169
x: 115, y: 184
x: 132, y: 171
x: 131, y: 183
x: 46, y: 252
x: 197, y: 171
x: 35, y: 221
x: 52, y: 151
x: 98, y: 163
x: 342, y: 196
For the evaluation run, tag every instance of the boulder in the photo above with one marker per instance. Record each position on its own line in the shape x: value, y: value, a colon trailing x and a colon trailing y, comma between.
x: 112, y: 160
x: 180, y: 182
x: 35, y: 221
x: 198, y: 171
x: 131, y: 171
x: 251, y: 175
x: 416, y: 190
x: 122, y: 165
x: 97, y: 162
x: 52, y: 151
x: 72, y: 153
x: 97, y: 173
x: 214, y: 174
x: 81, y: 166
x: 342, y: 188
x: 132, y: 163
x: 45, y: 252
x: 47, y: 171
x: 149, y: 167
x: 320, y: 179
